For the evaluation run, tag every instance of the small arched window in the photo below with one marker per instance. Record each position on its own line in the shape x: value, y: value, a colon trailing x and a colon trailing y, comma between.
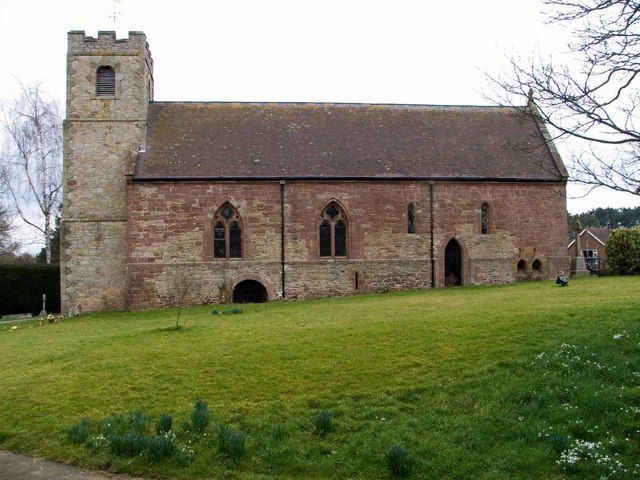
x: 411, y: 225
x: 105, y: 81
x: 522, y: 266
x: 227, y: 233
x: 333, y: 231
x: 484, y: 218
x: 536, y: 265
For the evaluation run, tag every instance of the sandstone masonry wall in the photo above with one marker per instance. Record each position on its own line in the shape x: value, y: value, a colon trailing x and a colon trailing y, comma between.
x: 170, y: 231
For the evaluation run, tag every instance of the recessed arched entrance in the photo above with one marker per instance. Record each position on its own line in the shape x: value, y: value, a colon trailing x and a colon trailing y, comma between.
x: 250, y: 291
x: 453, y: 264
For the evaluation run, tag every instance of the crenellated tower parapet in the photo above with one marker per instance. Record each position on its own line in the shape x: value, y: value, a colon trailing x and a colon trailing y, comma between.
x: 132, y: 65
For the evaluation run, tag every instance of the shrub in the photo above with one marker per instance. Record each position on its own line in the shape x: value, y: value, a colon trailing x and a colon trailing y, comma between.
x: 79, y: 433
x: 559, y: 442
x: 399, y: 461
x: 22, y: 286
x: 623, y: 251
x: 322, y: 422
x: 130, y: 444
x: 165, y: 422
x: 200, y: 416
x: 160, y: 447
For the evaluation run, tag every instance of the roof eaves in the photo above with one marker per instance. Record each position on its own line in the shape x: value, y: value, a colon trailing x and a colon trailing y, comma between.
x: 553, y: 151
x: 187, y: 178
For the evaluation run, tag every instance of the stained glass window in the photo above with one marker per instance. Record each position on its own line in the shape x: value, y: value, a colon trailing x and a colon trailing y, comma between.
x: 219, y: 241
x: 484, y: 218
x: 411, y: 228
x: 325, y: 239
x: 332, y: 210
x: 226, y: 211
x: 340, y: 229
x: 235, y: 240
x: 227, y: 233
x: 333, y: 232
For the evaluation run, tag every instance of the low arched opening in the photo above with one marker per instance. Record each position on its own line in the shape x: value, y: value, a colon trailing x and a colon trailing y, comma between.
x: 250, y: 291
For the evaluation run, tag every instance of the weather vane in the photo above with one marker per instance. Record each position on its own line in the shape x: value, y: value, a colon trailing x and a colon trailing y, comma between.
x: 116, y: 13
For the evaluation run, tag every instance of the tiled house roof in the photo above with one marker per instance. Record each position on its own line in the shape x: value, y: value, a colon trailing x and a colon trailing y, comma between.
x: 599, y: 233
x: 342, y: 141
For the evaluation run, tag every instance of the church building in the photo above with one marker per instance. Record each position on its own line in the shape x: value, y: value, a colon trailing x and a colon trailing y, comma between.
x: 204, y: 202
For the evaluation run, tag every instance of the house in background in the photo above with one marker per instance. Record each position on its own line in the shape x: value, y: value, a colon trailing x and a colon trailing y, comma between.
x: 592, y: 241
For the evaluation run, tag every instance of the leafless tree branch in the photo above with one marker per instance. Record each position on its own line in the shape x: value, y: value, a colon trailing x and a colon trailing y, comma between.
x: 30, y: 162
x: 595, y: 98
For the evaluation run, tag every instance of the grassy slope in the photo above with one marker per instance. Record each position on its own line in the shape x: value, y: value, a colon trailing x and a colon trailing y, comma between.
x: 450, y: 373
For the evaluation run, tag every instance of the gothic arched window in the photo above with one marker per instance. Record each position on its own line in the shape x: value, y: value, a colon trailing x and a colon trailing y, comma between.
x: 536, y: 265
x: 105, y: 81
x: 411, y: 226
x: 227, y: 233
x: 484, y: 218
x: 333, y: 231
x: 522, y: 266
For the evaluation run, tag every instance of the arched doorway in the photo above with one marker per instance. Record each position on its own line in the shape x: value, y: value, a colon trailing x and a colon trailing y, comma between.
x: 250, y: 291
x: 452, y: 264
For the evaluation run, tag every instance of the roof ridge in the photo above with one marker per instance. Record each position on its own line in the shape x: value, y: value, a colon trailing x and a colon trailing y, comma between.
x: 335, y: 104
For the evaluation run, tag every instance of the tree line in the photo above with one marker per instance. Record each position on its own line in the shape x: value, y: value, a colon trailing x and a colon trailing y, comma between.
x: 603, y: 217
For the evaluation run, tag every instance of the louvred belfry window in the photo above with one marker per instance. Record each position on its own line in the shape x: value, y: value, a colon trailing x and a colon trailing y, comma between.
x: 105, y: 81
x: 227, y: 233
x: 333, y: 232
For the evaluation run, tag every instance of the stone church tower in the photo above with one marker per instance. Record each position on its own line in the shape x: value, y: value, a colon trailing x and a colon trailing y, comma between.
x: 109, y: 86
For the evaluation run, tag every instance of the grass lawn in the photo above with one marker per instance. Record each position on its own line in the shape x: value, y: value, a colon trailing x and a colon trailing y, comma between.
x: 514, y: 381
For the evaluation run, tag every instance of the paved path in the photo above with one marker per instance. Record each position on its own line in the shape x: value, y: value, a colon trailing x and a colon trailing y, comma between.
x: 18, y: 467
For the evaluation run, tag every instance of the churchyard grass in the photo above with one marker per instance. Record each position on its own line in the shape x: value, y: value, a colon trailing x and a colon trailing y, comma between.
x: 513, y: 381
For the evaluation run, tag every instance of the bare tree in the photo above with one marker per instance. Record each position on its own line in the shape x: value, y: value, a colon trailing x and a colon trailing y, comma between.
x: 594, y: 96
x: 183, y: 289
x: 30, y: 163
x: 7, y: 246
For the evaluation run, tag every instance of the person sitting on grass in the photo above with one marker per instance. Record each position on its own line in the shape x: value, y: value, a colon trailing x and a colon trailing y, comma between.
x: 562, y: 280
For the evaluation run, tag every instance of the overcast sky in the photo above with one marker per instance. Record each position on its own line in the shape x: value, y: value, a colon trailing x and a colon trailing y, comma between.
x: 423, y: 52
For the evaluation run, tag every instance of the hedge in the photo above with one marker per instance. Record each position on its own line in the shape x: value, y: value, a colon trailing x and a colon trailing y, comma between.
x: 22, y: 286
x: 623, y: 251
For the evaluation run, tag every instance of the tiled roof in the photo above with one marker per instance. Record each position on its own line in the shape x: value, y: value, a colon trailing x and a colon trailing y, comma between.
x: 308, y: 140
x: 600, y: 233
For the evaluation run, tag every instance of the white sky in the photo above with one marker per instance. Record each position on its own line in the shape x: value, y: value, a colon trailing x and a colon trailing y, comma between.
x: 400, y: 51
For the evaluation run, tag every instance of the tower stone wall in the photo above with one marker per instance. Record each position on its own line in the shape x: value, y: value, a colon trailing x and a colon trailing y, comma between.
x: 102, y: 135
